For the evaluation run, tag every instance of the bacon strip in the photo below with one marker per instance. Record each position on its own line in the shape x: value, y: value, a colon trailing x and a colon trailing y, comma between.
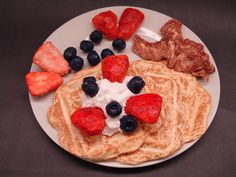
x: 182, y: 55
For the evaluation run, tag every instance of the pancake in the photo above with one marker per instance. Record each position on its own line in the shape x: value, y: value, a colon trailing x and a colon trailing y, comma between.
x: 94, y: 148
x: 183, y: 117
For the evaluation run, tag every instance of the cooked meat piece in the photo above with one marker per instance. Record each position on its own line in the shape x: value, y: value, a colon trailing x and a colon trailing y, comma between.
x: 172, y: 29
x: 165, y: 48
x: 191, y: 58
x: 182, y: 55
x: 154, y: 50
x: 149, y: 50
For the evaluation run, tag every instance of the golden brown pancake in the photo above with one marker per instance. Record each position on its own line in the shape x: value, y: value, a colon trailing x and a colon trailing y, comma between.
x: 95, y: 148
x: 183, y: 117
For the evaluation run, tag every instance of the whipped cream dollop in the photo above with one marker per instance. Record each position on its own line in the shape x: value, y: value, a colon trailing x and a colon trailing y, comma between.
x: 109, y: 91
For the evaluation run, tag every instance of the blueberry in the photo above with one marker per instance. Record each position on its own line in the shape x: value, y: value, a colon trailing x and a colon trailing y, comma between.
x: 90, y: 88
x: 77, y: 63
x: 128, y: 123
x: 106, y: 52
x: 70, y: 53
x: 113, y: 109
x: 86, y: 46
x: 93, y: 58
x: 136, y: 84
x: 89, y: 79
x: 118, y: 44
x: 96, y: 36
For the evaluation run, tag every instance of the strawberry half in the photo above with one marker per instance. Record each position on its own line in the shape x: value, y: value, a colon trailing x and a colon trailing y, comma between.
x: 106, y: 22
x: 115, y: 67
x: 146, y: 107
x: 41, y: 83
x: 90, y: 120
x: 49, y: 58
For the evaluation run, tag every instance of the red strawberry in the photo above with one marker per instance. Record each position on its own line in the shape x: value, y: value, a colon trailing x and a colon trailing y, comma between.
x: 41, y: 83
x: 106, y: 22
x: 115, y: 67
x: 90, y: 120
x: 49, y: 58
x: 129, y: 22
x: 146, y: 107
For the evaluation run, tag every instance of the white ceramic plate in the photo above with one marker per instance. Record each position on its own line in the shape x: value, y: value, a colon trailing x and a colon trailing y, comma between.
x: 77, y: 29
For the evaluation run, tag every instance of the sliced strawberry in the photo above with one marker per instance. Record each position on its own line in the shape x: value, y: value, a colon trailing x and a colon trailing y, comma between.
x: 106, y: 22
x: 146, y: 107
x: 115, y: 67
x: 90, y: 120
x: 129, y: 22
x: 41, y: 83
x: 49, y: 58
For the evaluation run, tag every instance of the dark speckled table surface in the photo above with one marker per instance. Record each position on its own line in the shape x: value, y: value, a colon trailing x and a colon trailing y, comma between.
x: 25, y: 150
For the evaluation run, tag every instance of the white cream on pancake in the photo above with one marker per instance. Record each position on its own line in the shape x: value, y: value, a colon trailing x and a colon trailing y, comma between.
x: 109, y: 91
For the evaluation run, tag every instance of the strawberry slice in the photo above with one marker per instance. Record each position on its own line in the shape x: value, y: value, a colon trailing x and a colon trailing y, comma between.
x: 115, y: 67
x: 129, y: 22
x: 106, y: 22
x: 41, y: 83
x: 146, y: 107
x: 49, y: 58
x: 90, y: 120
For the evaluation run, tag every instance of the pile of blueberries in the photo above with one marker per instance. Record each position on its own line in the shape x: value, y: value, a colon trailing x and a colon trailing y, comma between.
x: 127, y: 123
x: 76, y: 63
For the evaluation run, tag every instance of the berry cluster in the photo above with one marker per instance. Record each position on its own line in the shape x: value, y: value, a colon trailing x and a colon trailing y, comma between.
x: 128, y: 122
x: 76, y: 62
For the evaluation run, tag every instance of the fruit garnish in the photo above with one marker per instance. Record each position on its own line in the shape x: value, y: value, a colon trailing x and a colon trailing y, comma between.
x: 129, y: 22
x: 49, y: 58
x: 41, y: 83
x: 89, y: 79
x: 90, y: 87
x: 119, y: 44
x: 115, y: 67
x: 106, y: 52
x: 70, y: 53
x: 93, y: 58
x: 128, y: 123
x: 90, y: 120
x: 145, y: 107
x: 136, y: 84
x: 86, y: 45
x: 106, y: 22
x: 77, y: 63
x: 96, y: 36
x: 113, y: 109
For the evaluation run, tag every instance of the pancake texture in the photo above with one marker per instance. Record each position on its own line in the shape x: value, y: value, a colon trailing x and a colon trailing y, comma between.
x: 184, y: 113
x: 94, y: 148
x: 183, y: 117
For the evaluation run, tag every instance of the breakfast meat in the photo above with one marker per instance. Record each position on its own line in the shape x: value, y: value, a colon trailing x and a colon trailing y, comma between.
x: 182, y: 55
x: 148, y: 50
x: 191, y: 58
x: 172, y: 30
